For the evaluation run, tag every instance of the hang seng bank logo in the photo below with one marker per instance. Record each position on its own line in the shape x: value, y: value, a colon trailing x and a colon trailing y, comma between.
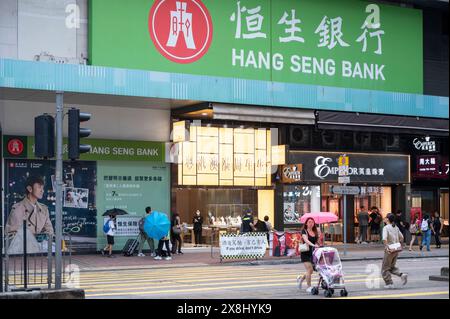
x: 180, y: 30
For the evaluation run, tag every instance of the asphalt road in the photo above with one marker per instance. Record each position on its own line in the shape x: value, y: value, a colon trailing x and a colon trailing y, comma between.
x: 362, y: 278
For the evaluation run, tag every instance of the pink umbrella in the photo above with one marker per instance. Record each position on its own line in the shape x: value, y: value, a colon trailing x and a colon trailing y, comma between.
x: 320, y: 218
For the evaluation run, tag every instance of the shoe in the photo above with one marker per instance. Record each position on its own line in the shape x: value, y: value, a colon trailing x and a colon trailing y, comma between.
x: 404, y: 278
x: 309, y: 289
x: 153, y: 255
x: 141, y: 255
x: 158, y: 258
x: 195, y: 245
x: 421, y: 248
x: 168, y: 258
x: 410, y: 249
x: 300, y: 280
x: 180, y: 253
x: 103, y: 252
x: 391, y: 286
x: 111, y: 256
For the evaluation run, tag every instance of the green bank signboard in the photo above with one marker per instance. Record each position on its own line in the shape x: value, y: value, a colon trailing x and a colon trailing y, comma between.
x: 106, y: 150
x: 345, y: 43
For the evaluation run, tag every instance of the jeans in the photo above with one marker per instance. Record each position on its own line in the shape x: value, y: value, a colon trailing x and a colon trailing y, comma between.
x: 363, y: 233
x: 142, y: 239
x: 426, y: 241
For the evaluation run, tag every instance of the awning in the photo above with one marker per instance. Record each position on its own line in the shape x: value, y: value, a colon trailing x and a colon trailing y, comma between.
x: 246, y: 113
x: 382, y: 123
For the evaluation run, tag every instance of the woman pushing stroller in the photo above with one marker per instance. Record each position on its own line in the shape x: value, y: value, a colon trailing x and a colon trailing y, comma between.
x: 311, y: 237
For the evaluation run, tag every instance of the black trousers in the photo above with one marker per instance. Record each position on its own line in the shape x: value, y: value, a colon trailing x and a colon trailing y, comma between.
x: 161, y: 243
x: 437, y: 238
x: 198, y: 236
x: 176, y: 242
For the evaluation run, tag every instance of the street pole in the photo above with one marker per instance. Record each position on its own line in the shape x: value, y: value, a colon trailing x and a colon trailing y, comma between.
x: 345, y: 225
x: 59, y: 188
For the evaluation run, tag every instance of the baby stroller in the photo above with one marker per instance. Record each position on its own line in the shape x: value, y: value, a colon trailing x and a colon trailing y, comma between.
x: 328, y: 264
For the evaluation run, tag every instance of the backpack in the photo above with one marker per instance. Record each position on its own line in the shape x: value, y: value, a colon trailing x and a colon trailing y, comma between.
x: 141, y: 224
x: 424, y: 227
x: 106, y: 227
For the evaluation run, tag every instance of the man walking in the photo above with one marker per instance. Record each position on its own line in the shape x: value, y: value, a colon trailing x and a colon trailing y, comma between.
x: 363, y: 220
x: 143, y: 237
x: 110, y: 229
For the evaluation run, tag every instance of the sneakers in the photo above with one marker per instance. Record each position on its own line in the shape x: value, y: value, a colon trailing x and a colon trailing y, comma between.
x: 141, y: 255
x: 309, y: 290
x: 158, y: 258
x: 153, y: 255
x: 404, y: 278
x: 111, y: 256
x: 390, y: 286
x: 168, y: 258
x: 300, y: 280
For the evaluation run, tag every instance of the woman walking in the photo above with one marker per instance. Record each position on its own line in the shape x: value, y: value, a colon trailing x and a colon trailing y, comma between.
x: 414, y: 229
x: 310, y: 236
x: 175, y: 233
x: 392, y: 239
x: 425, y: 228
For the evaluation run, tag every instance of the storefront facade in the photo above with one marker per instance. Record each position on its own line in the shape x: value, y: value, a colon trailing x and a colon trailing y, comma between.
x: 241, y: 55
x: 379, y: 177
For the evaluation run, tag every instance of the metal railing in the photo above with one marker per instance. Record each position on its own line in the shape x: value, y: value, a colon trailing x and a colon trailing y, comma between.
x: 29, y: 263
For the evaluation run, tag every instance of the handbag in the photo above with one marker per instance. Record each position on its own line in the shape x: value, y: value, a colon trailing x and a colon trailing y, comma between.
x: 176, y: 230
x: 303, y: 248
x: 413, y: 229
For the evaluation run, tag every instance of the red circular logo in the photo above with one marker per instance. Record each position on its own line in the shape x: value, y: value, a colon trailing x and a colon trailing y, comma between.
x: 15, y: 147
x: 181, y: 30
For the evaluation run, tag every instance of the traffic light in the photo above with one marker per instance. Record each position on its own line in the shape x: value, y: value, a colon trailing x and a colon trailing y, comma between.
x: 75, y: 133
x: 44, y: 134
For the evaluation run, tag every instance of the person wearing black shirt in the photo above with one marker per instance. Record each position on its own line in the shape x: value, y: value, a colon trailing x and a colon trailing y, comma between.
x: 247, y: 222
x: 437, y: 226
x: 198, y: 227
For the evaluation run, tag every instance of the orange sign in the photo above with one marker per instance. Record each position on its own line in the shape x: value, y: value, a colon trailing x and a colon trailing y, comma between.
x: 292, y: 173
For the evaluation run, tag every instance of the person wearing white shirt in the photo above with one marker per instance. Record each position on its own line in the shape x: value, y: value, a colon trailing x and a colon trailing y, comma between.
x: 110, y: 237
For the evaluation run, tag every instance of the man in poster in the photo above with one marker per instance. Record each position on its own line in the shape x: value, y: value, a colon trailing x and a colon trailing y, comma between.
x: 29, y: 209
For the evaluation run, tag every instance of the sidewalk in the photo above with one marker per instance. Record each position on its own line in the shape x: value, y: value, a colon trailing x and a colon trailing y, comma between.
x: 201, y: 257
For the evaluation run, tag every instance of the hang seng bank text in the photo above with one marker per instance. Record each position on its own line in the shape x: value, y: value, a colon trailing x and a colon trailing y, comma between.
x: 307, y: 65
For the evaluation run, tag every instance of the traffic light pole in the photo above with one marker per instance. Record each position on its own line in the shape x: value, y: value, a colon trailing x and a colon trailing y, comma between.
x: 59, y: 188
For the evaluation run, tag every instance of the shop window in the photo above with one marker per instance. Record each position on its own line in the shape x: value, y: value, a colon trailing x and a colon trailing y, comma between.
x: 444, y: 205
x: 299, y: 200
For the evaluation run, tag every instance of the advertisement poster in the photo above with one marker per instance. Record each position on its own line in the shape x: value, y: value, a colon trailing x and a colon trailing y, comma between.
x: 131, y: 188
x: 285, y: 244
x: 79, y: 205
x: 290, y: 216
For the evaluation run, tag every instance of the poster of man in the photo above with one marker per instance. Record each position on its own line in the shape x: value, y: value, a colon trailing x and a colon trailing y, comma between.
x: 76, y: 197
x: 29, y: 209
x: 79, y: 215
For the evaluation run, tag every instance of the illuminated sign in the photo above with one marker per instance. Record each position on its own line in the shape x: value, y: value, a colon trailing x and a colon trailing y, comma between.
x: 225, y: 157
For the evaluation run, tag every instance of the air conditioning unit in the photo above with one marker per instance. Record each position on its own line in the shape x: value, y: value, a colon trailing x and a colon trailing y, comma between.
x: 393, y: 142
x: 347, y: 140
x: 330, y: 139
x: 379, y: 142
x: 299, y: 136
x: 362, y: 140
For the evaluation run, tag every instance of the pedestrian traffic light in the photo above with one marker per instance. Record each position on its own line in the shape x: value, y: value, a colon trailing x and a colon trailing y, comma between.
x: 75, y: 133
x: 44, y: 135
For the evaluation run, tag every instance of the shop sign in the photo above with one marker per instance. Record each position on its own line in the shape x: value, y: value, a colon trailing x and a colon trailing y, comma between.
x: 433, y: 166
x: 292, y: 173
x: 247, y: 245
x: 425, y: 144
x: 102, y: 150
x: 428, y: 165
x: 364, y: 168
x: 353, y: 44
x: 345, y: 190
